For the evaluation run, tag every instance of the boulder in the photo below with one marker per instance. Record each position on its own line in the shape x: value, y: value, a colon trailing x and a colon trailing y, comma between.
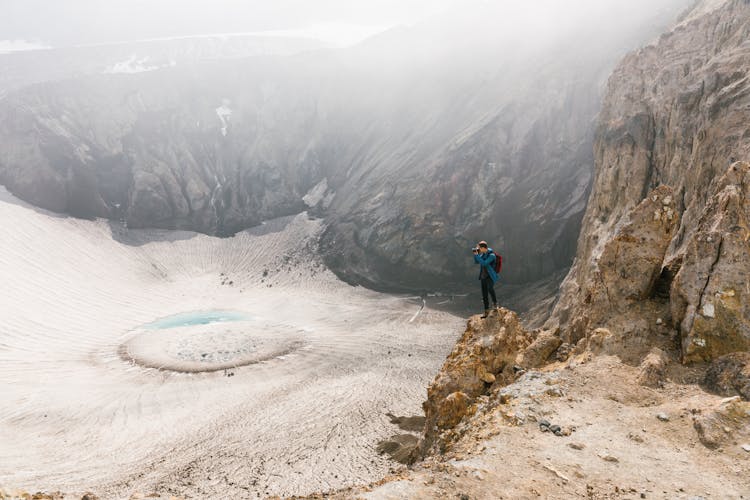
x: 540, y: 350
x: 598, y: 339
x: 724, y: 423
x: 632, y: 260
x: 730, y: 375
x: 651, y: 371
x: 625, y: 272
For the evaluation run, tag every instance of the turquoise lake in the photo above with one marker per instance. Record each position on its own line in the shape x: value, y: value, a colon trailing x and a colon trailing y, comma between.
x: 196, y: 318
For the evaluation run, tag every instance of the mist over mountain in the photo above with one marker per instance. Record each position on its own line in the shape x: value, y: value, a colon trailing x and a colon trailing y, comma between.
x: 90, y: 22
x: 23, y: 68
x: 203, y: 234
x: 477, y: 123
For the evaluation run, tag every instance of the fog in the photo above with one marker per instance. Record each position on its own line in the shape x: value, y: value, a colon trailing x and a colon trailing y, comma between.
x: 43, y: 23
x: 78, y: 22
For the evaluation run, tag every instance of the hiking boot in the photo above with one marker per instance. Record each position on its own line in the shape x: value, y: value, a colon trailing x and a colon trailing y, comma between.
x: 486, y: 313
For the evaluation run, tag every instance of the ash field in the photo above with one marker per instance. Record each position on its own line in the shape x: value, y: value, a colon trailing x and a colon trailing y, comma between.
x: 205, y: 367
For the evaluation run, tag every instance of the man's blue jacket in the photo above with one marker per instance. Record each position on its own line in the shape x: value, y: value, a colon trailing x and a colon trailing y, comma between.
x: 487, y: 261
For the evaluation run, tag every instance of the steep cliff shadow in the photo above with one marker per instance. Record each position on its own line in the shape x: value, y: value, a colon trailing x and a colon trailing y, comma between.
x: 272, y: 226
x: 8, y: 197
x: 139, y: 237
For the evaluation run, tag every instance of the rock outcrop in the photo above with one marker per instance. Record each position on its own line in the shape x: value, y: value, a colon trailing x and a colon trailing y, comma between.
x: 664, y: 252
x: 730, y: 375
x: 710, y: 297
x: 489, y: 355
x: 629, y: 263
x: 652, y: 370
x: 726, y: 422
x: 673, y: 125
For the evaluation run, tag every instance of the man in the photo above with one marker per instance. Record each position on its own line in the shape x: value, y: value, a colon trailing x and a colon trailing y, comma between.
x: 485, y: 257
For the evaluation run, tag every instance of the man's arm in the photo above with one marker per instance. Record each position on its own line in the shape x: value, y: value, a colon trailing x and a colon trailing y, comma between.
x: 484, y: 262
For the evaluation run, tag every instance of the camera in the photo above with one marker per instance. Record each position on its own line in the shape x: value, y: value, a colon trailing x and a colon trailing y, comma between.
x: 475, y: 249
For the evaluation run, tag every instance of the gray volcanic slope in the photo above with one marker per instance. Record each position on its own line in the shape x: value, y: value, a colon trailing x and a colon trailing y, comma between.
x: 411, y: 145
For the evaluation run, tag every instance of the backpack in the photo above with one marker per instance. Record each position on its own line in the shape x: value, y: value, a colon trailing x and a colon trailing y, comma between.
x: 498, y: 262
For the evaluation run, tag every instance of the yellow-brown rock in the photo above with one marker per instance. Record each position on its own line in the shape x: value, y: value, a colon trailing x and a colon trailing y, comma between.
x: 726, y: 422
x: 652, y: 370
x: 452, y: 409
x: 484, y: 355
x: 710, y: 297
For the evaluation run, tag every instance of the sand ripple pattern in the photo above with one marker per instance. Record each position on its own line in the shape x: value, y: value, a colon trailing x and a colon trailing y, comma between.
x: 92, y: 400
x: 212, y: 347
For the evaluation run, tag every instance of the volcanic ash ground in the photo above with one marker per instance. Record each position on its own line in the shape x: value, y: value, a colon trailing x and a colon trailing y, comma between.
x: 176, y: 362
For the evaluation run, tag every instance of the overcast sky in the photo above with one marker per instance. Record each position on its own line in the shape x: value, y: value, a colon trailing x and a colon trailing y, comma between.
x: 60, y: 23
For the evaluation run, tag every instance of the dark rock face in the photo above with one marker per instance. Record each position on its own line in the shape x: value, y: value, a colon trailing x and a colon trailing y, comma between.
x: 410, y: 159
x: 150, y: 149
x: 397, y: 217
x: 675, y: 116
x: 730, y: 375
x: 507, y: 181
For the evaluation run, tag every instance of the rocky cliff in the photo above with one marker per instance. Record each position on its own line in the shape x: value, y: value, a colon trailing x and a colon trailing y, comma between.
x: 665, y: 239
x: 412, y: 145
x: 662, y: 270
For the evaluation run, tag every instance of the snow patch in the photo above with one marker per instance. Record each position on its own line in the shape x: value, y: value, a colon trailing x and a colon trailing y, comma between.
x: 217, y: 189
x: 224, y: 112
x: 135, y: 65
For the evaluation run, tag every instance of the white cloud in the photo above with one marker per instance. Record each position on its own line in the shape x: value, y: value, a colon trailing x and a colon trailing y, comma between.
x: 7, y: 46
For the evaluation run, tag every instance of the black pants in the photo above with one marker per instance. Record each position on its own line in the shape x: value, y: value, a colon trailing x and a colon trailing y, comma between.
x: 488, y: 287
